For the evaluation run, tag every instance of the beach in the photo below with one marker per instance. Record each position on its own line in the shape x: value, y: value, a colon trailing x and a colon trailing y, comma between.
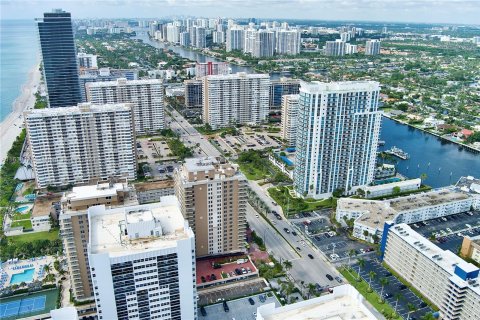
x: 11, y: 126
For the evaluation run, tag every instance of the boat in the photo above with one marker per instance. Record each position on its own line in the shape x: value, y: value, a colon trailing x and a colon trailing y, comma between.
x: 381, y: 142
x: 398, y: 153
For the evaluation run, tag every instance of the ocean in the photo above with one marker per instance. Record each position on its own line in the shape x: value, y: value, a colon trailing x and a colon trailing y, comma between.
x: 19, y: 52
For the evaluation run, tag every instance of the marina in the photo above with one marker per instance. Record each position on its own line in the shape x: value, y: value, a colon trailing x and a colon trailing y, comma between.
x: 394, y: 151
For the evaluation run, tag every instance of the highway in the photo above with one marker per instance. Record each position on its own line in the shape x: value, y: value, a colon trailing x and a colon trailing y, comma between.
x: 303, y: 268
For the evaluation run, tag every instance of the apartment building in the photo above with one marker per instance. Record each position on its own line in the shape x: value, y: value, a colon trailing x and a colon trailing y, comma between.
x: 193, y: 93
x: 146, y: 96
x: 74, y: 229
x: 148, y: 192
x: 372, y: 47
x: 102, y: 75
x: 235, y: 38
x: 371, y: 215
x: 281, y: 87
x: 289, y: 118
x: 142, y: 262
x: 288, y: 42
x: 235, y: 99
x: 337, y: 137
x: 87, y: 60
x: 211, y: 68
x: 82, y: 144
x: 439, y: 275
x: 335, y: 48
x: 213, y: 199
x: 471, y: 248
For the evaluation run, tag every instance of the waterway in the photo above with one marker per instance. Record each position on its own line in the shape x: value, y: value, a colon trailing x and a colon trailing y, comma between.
x: 443, y: 162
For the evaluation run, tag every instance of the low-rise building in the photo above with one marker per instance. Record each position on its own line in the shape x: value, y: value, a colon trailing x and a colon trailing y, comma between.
x: 370, y: 215
x: 439, y: 275
x: 471, y: 248
x: 44, y: 210
x: 391, y: 188
x: 148, y: 192
x: 344, y: 303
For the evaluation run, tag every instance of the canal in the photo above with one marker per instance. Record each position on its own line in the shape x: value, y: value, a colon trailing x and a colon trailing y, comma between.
x: 443, y: 162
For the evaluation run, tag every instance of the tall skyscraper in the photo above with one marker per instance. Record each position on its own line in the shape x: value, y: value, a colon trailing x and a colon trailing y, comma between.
x: 60, y: 69
x: 264, y: 44
x: 288, y: 42
x: 338, y: 126
x: 281, y: 87
x: 289, y: 118
x: 200, y: 37
x: 142, y: 262
x: 213, y: 199
x: 145, y: 95
x: 82, y: 144
x: 193, y: 93
x: 372, y: 47
x: 74, y: 230
x: 235, y: 38
x: 235, y: 99
x: 335, y: 48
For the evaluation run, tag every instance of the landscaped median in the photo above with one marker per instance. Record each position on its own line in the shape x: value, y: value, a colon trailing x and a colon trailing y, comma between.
x: 291, y: 204
x: 370, y: 295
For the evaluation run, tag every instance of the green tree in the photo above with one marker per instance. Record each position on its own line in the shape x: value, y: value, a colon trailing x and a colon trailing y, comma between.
x: 398, y: 296
x: 383, y: 281
x: 287, y: 265
x: 423, y: 177
x: 372, y: 276
x: 411, y: 309
x: 361, y: 264
x: 396, y: 190
x: 47, y: 268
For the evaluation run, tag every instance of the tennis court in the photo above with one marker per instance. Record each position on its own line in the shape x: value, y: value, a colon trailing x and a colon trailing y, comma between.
x: 28, y: 305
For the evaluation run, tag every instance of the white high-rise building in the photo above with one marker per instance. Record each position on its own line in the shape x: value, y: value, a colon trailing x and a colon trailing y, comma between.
x: 87, y: 61
x: 249, y: 41
x: 82, y: 144
x: 218, y: 37
x: 335, y: 48
x: 185, y: 39
x: 345, y: 36
x: 445, y: 279
x: 372, y: 47
x: 173, y: 33
x: 142, y: 262
x: 288, y: 42
x: 145, y: 95
x: 211, y: 68
x: 264, y: 45
x: 338, y: 126
x: 235, y: 99
x: 289, y: 117
x: 200, y: 37
x: 351, y: 48
x: 235, y: 38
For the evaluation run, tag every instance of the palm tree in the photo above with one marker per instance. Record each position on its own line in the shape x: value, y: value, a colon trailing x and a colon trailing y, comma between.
x: 361, y: 264
x: 398, y: 296
x: 47, y: 268
x: 350, y: 254
x: 412, y: 308
x: 311, y: 289
x: 428, y: 316
x: 423, y: 177
x: 287, y: 265
x: 371, y: 275
x: 383, y: 282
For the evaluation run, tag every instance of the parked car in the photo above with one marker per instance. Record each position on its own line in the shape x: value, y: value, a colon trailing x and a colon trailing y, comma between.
x: 310, y: 256
x: 294, y: 233
x: 339, y: 280
x: 402, y: 287
x: 286, y: 230
x: 251, y: 301
x: 261, y: 298
x: 329, y: 277
x: 388, y: 295
x: 298, y: 248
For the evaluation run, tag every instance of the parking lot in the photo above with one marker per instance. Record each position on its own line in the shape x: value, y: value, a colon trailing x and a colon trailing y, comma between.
x: 316, y: 225
x: 239, y: 309
x: 450, y: 230
x: 393, y: 290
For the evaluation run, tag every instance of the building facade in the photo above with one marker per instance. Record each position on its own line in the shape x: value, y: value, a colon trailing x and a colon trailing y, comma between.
x: 338, y: 126
x: 471, y: 248
x: 148, y: 192
x: 235, y: 38
x: 372, y: 47
x: 193, y: 94
x: 78, y: 145
x: 235, y: 99
x: 264, y: 44
x: 288, y: 42
x: 211, y: 68
x: 281, y: 87
x: 146, y: 96
x: 142, y: 262
x: 442, y: 277
x: 87, y: 61
x: 335, y: 48
x: 102, y: 75
x: 213, y: 199
x: 289, y: 118
x: 60, y: 69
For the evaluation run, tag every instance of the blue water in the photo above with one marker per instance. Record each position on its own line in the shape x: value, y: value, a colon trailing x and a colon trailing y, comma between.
x: 389, y: 180
x: 25, y: 276
x: 21, y: 209
x: 18, y: 54
x: 443, y: 162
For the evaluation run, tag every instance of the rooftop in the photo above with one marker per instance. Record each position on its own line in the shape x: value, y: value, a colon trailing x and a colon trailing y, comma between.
x: 80, y: 108
x: 375, y: 213
x: 394, y: 184
x: 341, y: 86
x: 445, y: 259
x: 123, y: 81
x: 427, y: 199
x: 99, y: 190
x: 147, y: 186
x: 239, y: 75
x: 200, y: 164
x: 43, y: 205
x: 111, y: 229
x: 345, y: 303
x: 469, y: 184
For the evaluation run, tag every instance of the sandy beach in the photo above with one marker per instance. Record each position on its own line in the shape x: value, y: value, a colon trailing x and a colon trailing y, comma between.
x: 12, y: 125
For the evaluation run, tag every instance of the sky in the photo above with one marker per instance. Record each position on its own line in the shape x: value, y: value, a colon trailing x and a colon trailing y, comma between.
x: 426, y: 11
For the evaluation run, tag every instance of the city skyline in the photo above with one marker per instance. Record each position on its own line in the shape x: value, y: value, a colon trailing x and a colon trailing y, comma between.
x: 416, y: 11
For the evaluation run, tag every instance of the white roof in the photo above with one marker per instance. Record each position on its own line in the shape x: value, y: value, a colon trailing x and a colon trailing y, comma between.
x: 341, y: 86
x: 94, y: 191
x: 81, y: 108
x: 200, y: 164
x: 123, y: 81
x: 107, y: 227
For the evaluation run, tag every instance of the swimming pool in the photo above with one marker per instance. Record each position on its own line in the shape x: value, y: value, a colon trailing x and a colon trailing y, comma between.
x: 22, y: 209
x: 388, y: 180
x: 25, y: 276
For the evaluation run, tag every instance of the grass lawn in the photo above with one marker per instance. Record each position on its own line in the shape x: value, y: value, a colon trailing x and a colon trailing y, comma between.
x: 26, y: 224
x: 19, y: 216
x: 252, y: 172
x: 282, y: 196
x: 29, y: 237
x: 372, y: 297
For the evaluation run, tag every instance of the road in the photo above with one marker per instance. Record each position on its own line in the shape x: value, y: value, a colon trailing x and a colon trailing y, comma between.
x: 190, y: 136
x: 303, y: 268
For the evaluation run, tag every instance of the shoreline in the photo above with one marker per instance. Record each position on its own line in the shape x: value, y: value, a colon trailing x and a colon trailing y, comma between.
x: 12, y: 125
x: 466, y: 146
